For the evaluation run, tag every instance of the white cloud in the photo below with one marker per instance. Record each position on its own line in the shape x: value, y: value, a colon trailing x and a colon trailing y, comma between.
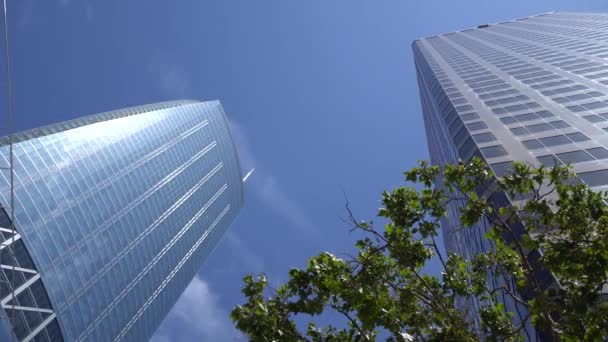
x: 171, y: 78
x: 160, y: 338
x: 250, y: 260
x: 266, y: 187
x: 197, y: 314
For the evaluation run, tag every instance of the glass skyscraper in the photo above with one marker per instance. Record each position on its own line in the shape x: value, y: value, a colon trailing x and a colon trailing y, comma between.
x: 533, y: 89
x: 115, y: 214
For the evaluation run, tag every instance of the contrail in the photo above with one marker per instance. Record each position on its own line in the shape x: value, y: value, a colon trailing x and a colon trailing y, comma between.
x: 247, y: 175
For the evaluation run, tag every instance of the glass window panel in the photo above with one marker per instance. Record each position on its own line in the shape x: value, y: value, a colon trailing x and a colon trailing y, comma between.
x: 555, y: 140
x: 549, y: 160
x: 501, y: 169
x: 526, y: 117
x: 532, y: 144
x: 469, y: 116
x: 574, y: 157
x: 532, y: 105
x: 461, y: 136
x: 577, y: 97
x: 598, y: 152
x: 576, y: 109
x: 539, y: 127
x: 594, y: 178
x: 515, y: 108
x: 594, y: 118
x: 544, y: 114
x: 519, y: 131
x: 508, y: 120
x: 493, y: 151
x: 464, y: 108
x: 559, y: 124
x: 476, y: 126
x: 594, y: 105
x: 576, y: 137
x: 484, y: 137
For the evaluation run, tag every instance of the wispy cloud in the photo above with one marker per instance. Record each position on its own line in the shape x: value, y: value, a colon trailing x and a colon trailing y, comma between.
x: 266, y: 186
x: 88, y: 11
x: 198, y: 315
x: 160, y: 338
x: 25, y: 13
x: 245, y: 256
x: 172, y: 79
x: 27, y: 10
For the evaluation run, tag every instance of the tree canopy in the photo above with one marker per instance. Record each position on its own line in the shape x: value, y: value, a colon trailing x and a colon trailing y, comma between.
x: 554, y: 269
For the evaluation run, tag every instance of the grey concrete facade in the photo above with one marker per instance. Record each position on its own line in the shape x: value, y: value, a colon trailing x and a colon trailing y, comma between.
x: 533, y: 89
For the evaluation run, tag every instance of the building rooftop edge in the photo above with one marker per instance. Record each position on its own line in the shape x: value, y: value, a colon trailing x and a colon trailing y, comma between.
x: 485, y: 25
x: 91, y: 119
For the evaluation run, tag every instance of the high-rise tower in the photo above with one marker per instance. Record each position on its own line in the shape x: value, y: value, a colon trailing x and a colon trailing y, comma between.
x: 115, y: 214
x: 533, y: 89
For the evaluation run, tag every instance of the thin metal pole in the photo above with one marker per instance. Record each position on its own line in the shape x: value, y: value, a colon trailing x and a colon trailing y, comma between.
x: 9, y: 112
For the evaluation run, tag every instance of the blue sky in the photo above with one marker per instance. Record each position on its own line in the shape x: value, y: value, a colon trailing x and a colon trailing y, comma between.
x: 321, y: 95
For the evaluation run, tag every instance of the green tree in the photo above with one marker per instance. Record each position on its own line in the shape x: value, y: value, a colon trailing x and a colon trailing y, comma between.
x: 382, y: 291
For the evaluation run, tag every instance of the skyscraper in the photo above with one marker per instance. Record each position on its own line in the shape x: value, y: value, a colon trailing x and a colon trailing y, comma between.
x: 115, y: 214
x: 533, y: 89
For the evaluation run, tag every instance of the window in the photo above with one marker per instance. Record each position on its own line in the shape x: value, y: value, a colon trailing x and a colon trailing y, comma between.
x: 532, y: 144
x: 598, y: 152
x: 595, y: 94
x: 594, y: 178
x: 467, y: 149
x: 464, y: 108
x: 519, y: 131
x: 501, y: 169
x: 555, y: 140
x: 526, y: 117
x: 559, y: 124
x: 469, y: 116
x: 544, y: 114
x: 514, y: 108
x: 576, y: 109
x: 484, y: 137
x: 532, y: 105
x: 539, y: 127
x: 594, y: 105
x: 594, y: 118
x: 549, y: 160
x: 475, y: 126
x: 574, y: 157
x: 455, y: 127
x: 573, y: 97
x: 507, y: 120
x: 577, y: 137
x: 461, y: 136
x: 493, y: 151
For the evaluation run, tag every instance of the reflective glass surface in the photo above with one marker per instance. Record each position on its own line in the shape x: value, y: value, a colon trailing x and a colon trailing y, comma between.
x: 119, y: 210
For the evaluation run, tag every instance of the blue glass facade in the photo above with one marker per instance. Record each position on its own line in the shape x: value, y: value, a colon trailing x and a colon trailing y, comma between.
x: 116, y: 213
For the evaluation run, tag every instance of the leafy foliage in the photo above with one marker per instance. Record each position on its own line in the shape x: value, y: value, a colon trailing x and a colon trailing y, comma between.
x: 555, y: 268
